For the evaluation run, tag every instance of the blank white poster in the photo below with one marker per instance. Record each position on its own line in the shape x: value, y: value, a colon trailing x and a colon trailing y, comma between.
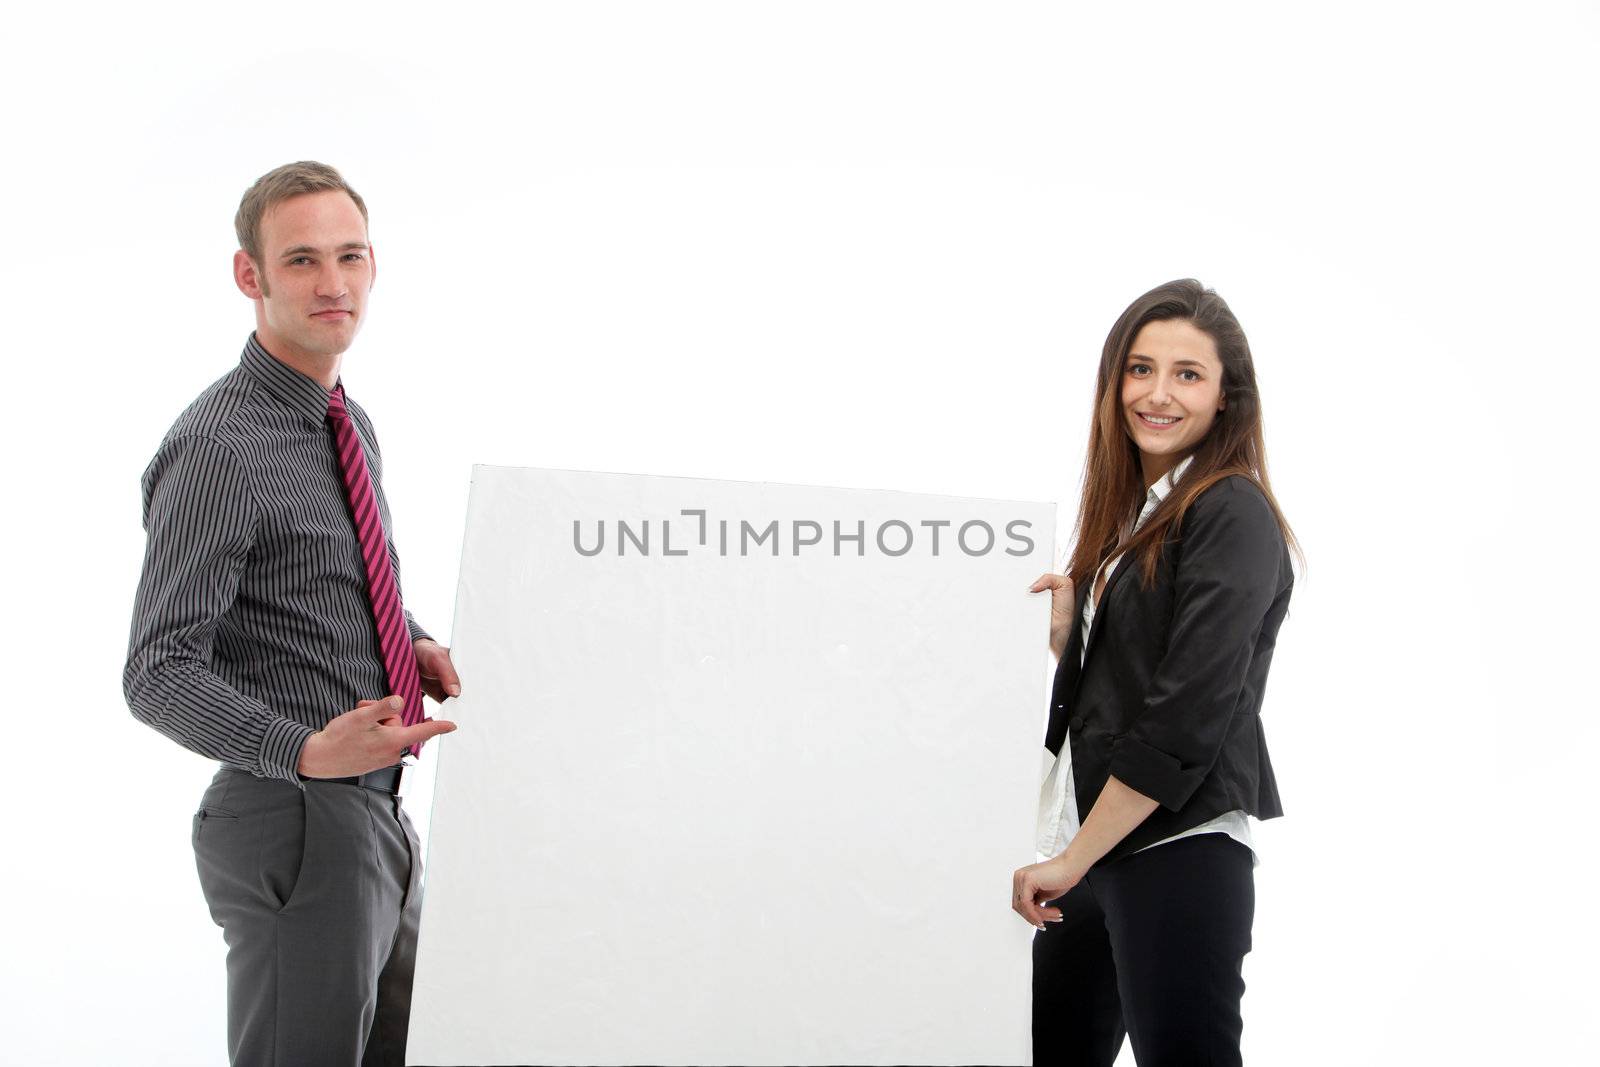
x: 742, y: 774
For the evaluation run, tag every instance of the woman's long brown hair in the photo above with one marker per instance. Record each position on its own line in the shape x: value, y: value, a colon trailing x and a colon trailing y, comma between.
x: 1113, y: 482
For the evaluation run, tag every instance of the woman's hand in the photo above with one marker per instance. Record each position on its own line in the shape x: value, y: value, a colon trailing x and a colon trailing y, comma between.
x: 1061, y: 599
x: 1031, y: 886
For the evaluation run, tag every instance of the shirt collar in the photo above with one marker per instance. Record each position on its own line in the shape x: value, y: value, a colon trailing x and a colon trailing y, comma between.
x: 1158, y: 492
x: 288, y: 386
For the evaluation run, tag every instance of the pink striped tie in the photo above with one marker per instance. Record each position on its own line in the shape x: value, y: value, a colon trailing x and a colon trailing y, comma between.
x: 399, y: 659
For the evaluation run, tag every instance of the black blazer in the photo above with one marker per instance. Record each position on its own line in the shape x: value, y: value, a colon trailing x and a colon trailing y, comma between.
x: 1169, y: 696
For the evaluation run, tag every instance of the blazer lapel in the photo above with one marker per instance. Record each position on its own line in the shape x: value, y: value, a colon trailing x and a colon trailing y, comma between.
x: 1124, y: 564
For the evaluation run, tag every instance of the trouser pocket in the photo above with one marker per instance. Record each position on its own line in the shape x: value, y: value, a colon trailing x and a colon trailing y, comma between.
x: 249, y: 839
x: 285, y: 825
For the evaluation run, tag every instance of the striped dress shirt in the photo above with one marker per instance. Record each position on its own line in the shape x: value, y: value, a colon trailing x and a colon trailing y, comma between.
x: 252, y: 625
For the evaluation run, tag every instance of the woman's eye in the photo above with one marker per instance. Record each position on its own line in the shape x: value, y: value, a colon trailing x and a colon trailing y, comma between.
x: 1135, y: 368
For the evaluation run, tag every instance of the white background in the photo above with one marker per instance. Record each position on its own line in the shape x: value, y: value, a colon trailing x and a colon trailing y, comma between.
x: 873, y: 245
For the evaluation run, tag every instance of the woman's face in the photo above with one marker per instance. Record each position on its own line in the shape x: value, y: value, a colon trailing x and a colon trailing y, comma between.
x: 1171, y: 392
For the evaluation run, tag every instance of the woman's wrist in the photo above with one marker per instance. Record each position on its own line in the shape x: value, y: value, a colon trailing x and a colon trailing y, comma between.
x: 1071, y: 863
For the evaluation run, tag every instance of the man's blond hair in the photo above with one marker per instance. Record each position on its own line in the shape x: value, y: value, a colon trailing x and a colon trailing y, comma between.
x: 276, y: 186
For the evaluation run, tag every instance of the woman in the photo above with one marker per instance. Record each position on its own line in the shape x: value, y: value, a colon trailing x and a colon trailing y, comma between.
x: 1164, y: 624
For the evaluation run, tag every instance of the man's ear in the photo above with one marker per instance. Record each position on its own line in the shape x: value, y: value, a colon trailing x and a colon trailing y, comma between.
x: 247, y: 277
x: 372, y: 263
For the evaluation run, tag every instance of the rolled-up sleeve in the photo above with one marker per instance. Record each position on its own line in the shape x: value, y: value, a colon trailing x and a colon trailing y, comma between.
x: 1228, y: 574
x: 200, y: 522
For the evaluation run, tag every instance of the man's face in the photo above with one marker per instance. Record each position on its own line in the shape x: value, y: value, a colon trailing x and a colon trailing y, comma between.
x: 315, y: 273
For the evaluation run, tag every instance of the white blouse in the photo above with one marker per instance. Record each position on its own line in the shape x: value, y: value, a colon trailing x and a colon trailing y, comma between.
x: 1058, y: 806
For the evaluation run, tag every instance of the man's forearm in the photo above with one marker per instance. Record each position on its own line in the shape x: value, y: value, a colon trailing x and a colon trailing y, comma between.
x: 197, y: 709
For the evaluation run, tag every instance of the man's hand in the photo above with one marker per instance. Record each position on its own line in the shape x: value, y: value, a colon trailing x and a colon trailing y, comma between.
x: 1061, y: 598
x: 364, y: 739
x: 1031, y: 886
x: 438, y: 674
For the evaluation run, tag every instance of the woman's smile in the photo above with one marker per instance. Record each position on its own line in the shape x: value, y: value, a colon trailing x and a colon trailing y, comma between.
x: 1171, y: 392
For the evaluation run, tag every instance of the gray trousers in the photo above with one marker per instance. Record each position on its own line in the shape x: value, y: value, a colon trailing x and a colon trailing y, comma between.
x: 318, y: 894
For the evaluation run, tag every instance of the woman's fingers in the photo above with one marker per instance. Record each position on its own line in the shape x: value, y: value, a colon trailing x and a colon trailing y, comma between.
x: 1023, y: 891
x: 1032, y: 888
x: 1056, y: 583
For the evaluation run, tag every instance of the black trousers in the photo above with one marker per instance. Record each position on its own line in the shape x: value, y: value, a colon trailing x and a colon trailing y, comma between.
x: 1150, y: 946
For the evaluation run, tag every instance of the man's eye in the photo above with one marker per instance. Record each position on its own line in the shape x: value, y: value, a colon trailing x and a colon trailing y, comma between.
x: 357, y: 256
x: 298, y: 259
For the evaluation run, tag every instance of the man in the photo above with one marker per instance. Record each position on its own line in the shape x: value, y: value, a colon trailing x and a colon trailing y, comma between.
x: 268, y: 633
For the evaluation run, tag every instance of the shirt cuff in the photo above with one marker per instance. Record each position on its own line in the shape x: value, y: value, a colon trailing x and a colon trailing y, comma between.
x: 280, y: 750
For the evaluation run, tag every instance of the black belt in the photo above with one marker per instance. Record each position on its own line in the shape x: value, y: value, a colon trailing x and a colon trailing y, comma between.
x: 386, y: 780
